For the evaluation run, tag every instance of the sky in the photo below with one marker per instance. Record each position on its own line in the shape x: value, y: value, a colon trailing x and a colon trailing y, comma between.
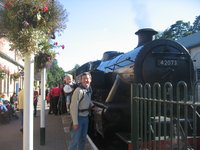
x: 97, y: 26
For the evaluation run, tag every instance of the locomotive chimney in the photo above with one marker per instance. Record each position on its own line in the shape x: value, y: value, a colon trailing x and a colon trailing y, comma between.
x: 145, y: 35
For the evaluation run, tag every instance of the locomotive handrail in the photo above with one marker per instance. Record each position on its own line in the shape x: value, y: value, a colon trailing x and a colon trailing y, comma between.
x: 113, y: 89
x: 100, y: 104
x: 168, y: 53
x: 168, y: 101
x: 117, y: 64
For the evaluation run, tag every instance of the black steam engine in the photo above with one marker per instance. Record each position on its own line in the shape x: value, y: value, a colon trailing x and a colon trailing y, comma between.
x: 151, y: 61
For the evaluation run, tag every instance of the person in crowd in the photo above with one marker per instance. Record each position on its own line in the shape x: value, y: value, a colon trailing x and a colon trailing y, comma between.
x: 55, y: 92
x: 14, y: 99
x: 50, y: 97
x: 3, y: 97
x: 35, y: 101
x: 62, y: 100
x: 21, y: 106
x: 68, y: 89
x: 79, y: 109
x: 4, y: 115
x: 3, y: 107
x: 47, y: 95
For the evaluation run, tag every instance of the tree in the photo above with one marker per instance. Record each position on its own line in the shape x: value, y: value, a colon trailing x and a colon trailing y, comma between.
x: 54, y: 75
x: 180, y: 29
x: 196, y: 25
x: 177, y: 30
x: 73, y: 70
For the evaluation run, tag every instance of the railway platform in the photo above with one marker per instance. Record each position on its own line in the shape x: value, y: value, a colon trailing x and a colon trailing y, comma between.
x: 56, y: 134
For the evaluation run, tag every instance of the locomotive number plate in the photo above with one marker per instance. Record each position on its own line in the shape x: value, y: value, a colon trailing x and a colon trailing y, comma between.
x: 167, y: 62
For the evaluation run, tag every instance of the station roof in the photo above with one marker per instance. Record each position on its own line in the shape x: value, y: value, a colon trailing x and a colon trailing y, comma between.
x: 8, y: 58
x: 190, y: 41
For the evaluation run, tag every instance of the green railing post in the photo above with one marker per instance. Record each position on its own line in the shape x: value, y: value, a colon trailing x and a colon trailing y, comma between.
x: 156, y: 95
x: 179, y: 98
x: 168, y: 95
x: 140, y: 114
x: 147, y: 115
x: 134, y: 117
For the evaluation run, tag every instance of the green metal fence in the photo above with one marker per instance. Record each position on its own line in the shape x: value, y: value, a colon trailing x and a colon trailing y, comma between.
x: 165, y: 117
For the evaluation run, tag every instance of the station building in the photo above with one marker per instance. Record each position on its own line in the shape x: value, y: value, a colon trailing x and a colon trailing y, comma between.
x: 11, y: 69
x: 192, y: 43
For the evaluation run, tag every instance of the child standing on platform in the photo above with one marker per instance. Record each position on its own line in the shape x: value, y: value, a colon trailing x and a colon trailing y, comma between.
x: 68, y: 89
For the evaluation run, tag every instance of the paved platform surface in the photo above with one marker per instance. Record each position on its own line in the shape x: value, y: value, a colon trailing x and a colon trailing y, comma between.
x: 56, y: 137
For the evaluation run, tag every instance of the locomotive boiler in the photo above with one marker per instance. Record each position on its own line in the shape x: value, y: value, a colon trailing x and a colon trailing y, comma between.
x: 151, y: 61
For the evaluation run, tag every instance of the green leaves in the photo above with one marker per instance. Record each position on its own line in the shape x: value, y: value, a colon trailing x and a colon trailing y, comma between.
x: 180, y: 29
x: 54, y: 75
x: 196, y: 25
x: 28, y: 24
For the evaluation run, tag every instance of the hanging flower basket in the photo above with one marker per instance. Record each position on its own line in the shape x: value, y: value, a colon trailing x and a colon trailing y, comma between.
x: 2, y: 74
x: 15, y: 76
x: 42, y: 59
x: 28, y: 24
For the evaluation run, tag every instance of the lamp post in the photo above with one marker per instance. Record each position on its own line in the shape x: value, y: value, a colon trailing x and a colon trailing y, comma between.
x: 42, y: 109
x: 28, y: 102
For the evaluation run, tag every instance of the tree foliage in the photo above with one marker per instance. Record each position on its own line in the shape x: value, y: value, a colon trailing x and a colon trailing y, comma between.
x: 54, y: 75
x: 72, y: 72
x: 180, y: 29
x: 196, y: 25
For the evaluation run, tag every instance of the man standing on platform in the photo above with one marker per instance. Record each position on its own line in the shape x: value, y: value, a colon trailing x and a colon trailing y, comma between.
x: 35, y: 101
x: 21, y: 106
x: 79, y: 109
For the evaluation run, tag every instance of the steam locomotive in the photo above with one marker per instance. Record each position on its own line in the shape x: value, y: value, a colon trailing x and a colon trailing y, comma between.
x: 151, y: 61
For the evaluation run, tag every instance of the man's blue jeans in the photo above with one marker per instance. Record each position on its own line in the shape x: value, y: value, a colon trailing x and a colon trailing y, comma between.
x: 78, y: 138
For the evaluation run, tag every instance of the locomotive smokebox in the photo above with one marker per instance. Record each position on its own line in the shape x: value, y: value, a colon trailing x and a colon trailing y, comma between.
x: 145, y: 35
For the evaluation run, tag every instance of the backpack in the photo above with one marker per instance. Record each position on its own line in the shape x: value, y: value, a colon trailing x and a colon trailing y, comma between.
x: 73, y: 92
x: 87, y: 109
x: 81, y: 98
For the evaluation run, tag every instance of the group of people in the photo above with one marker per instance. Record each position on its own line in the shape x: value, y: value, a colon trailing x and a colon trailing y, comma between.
x: 77, y: 102
x: 7, y: 108
x: 59, y: 97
